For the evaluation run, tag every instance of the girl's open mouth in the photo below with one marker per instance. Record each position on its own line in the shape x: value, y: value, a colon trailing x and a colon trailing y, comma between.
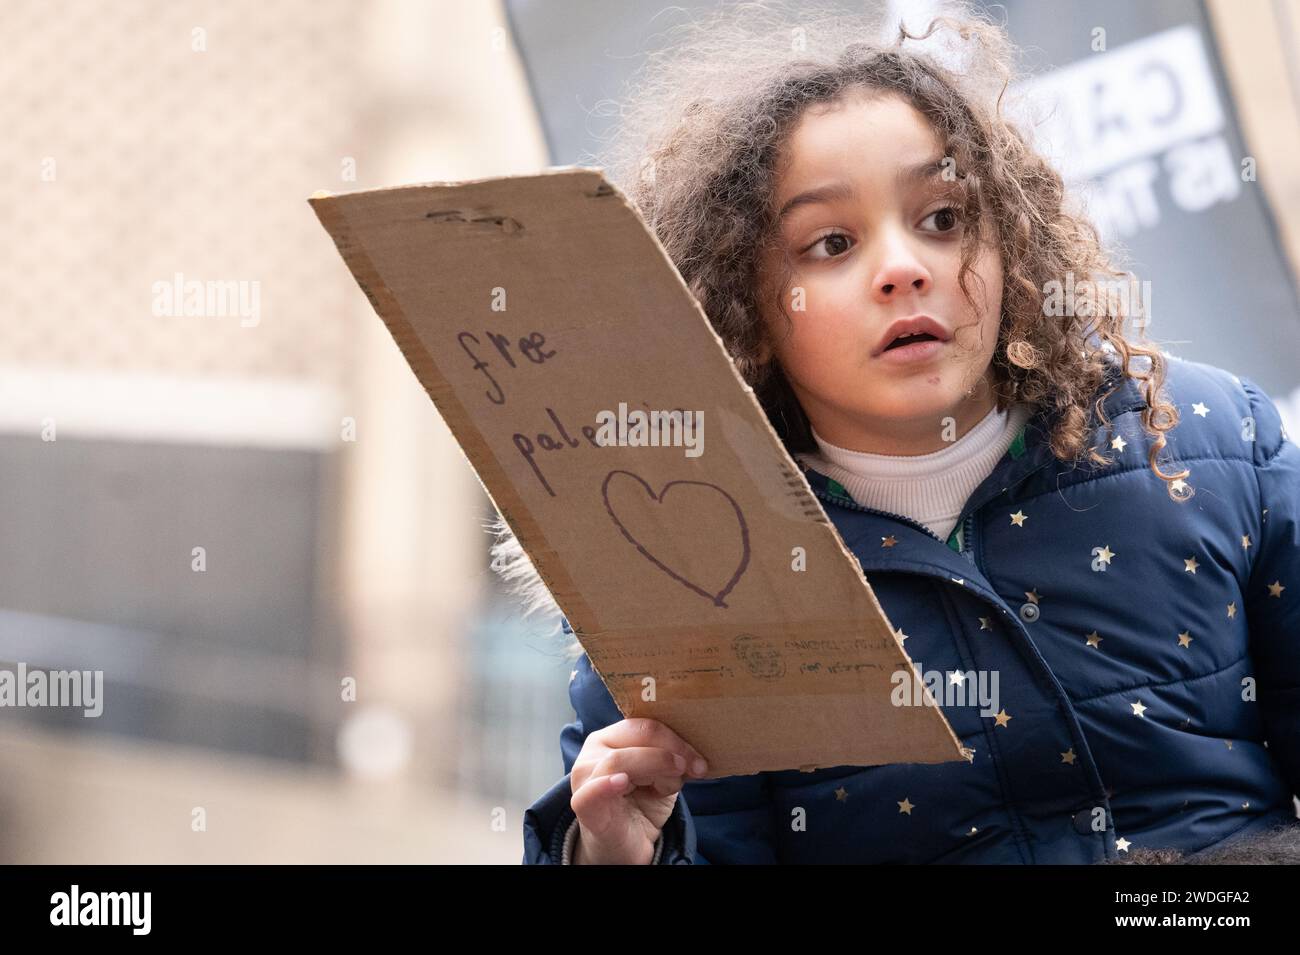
x: 912, y: 348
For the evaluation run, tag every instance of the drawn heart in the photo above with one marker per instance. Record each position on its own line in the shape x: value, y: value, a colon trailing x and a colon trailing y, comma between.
x: 695, y: 506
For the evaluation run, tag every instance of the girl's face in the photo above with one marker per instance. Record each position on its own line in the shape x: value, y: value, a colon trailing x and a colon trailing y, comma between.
x: 873, y: 236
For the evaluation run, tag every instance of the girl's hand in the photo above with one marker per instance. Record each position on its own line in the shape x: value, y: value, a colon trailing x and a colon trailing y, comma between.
x: 625, y: 784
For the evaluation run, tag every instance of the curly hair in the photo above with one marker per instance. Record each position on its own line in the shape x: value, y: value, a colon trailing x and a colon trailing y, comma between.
x: 698, y: 151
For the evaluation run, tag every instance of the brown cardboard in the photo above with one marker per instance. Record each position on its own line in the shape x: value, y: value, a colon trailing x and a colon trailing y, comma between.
x: 670, y: 567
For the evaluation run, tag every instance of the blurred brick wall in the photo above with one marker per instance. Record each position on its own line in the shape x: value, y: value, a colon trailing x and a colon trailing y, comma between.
x: 179, y: 137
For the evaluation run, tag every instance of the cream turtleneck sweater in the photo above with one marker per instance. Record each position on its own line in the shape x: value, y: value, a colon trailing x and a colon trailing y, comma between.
x: 929, y: 488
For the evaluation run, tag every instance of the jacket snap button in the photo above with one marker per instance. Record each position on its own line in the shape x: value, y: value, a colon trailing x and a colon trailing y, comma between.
x: 1083, y: 822
x: 1029, y: 612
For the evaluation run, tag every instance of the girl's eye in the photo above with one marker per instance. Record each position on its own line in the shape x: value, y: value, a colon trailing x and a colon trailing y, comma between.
x: 839, y: 240
x: 837, y: 243
x: 946, y: 219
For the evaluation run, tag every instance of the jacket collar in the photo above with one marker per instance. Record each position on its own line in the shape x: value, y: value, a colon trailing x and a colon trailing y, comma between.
x: 1125, y: 396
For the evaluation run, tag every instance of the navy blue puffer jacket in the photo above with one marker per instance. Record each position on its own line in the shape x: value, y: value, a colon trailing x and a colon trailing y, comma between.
x: 1148, y: 655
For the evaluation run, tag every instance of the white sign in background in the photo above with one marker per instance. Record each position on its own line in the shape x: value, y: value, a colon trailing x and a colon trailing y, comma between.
x: 1121, y: 121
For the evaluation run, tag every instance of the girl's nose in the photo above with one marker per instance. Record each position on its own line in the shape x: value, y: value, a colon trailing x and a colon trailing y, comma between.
x: 900, y: 272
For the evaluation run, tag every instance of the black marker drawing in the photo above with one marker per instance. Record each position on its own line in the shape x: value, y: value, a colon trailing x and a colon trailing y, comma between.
x: 715, y: 598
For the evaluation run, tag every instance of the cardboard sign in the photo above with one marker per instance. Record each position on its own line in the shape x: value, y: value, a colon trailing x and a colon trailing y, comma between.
x: 613, y: 433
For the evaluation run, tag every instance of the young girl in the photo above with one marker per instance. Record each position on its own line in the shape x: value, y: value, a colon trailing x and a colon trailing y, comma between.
x: 1031, y: 494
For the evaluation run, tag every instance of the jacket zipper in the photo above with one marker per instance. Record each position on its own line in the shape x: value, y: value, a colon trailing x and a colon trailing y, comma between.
x: 966, y: 549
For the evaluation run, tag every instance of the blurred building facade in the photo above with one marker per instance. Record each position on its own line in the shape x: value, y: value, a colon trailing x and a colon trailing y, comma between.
x: 242, y: 511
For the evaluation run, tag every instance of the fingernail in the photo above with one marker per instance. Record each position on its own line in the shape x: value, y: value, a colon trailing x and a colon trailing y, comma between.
x: 617, y: 780
x: 700, y: 767
x: 679, y: 761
